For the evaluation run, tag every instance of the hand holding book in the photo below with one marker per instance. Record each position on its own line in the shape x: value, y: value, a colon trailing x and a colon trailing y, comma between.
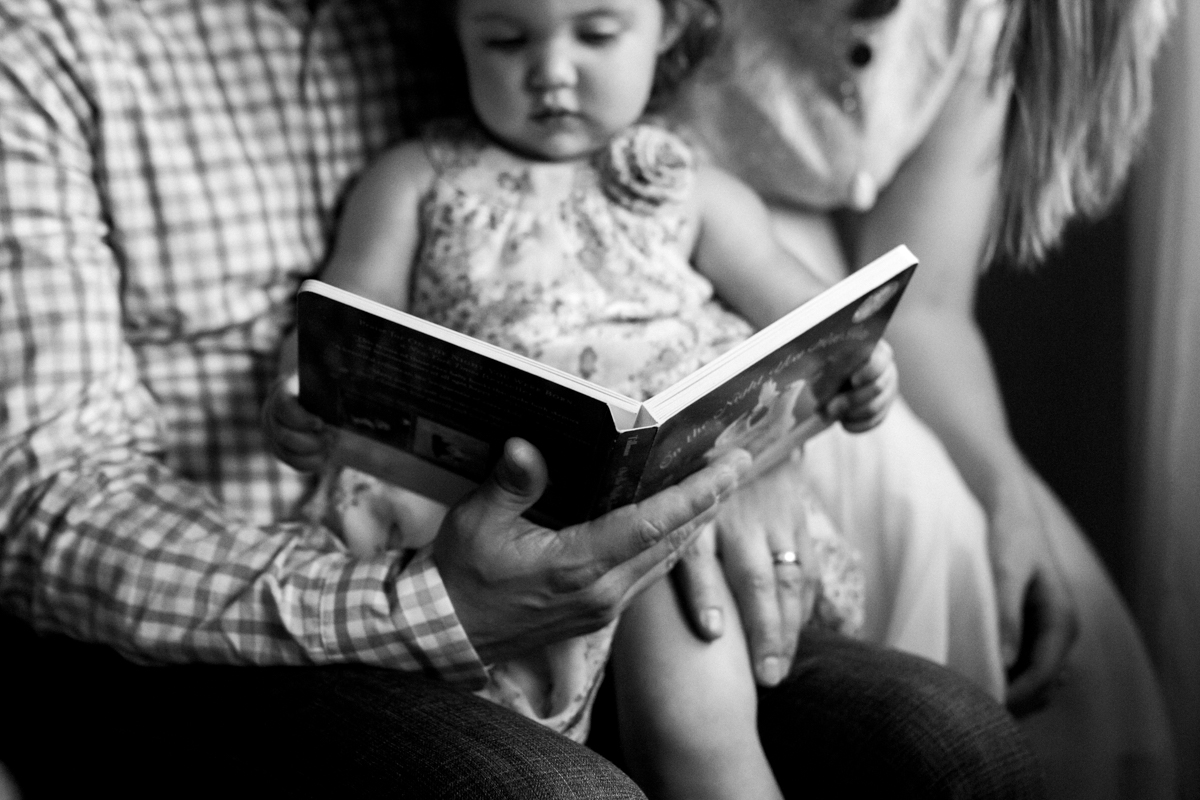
x: 534, y: 590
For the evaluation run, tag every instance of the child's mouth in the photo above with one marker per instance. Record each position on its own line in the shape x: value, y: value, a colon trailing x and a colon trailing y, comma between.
x: 553, y: 114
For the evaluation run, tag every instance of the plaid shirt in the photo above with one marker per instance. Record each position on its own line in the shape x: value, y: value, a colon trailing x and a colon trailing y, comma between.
x: 169, y: 172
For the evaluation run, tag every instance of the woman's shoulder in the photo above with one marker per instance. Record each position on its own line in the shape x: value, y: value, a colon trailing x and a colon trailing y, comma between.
x: 817, y: 104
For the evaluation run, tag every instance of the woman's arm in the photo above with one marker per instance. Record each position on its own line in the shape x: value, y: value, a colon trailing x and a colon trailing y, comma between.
x: 941, y: 204
x: 737, y: 249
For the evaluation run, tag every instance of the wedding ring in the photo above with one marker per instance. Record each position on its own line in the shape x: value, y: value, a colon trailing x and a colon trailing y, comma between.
x: 785, y: 557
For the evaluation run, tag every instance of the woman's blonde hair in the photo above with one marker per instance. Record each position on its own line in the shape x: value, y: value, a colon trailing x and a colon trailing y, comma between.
x: 1082, y: 85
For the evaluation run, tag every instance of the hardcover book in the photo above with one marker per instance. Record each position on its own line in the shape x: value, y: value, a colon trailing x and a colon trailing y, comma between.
x: 429, y: 409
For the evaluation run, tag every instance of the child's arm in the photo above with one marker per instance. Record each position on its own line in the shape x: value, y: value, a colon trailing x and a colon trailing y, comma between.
x: 736, y: 248
x: 373, y: 251
x: 378, y: 233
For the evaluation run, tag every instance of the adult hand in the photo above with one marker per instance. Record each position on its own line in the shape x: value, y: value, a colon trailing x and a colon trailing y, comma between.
x: 1038, y: 618
x: 516, y: 585
x: 775, y: 600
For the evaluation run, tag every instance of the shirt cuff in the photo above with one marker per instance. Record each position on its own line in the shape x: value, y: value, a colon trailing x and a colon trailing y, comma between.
x: 379, y: 613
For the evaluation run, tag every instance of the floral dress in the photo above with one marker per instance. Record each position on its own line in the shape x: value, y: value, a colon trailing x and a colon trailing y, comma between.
x: 583, y: 267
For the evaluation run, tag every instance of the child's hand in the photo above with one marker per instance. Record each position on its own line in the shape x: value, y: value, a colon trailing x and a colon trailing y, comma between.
x: 296, y: 437
x: 874, y: 385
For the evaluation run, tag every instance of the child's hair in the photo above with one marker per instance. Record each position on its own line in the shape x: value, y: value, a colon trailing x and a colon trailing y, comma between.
x: 1081, y: 71
x: 700, y: 25
x: 700, y: 22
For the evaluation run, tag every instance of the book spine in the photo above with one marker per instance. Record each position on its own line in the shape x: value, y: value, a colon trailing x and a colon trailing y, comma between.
x: 626, y: 464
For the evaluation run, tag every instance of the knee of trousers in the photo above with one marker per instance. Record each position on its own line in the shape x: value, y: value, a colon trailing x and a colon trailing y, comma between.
x: 413, y: 737
x: 861, y: 720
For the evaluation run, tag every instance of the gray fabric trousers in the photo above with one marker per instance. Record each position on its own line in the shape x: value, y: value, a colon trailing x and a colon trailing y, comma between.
x: 851, y: 720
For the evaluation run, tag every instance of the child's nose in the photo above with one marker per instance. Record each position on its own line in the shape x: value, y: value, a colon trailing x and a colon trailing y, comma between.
x: 552, y: 68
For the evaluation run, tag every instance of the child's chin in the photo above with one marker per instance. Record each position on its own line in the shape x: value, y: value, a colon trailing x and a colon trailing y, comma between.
x: 559, y: 147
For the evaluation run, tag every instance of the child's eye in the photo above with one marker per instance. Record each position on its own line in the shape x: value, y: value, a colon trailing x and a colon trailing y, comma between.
x: 596, y: 37
x: 598, y: 33
x: 504, y: 44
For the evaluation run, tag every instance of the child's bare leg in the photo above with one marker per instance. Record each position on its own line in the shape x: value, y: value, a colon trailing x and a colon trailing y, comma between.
x: 688, y: 709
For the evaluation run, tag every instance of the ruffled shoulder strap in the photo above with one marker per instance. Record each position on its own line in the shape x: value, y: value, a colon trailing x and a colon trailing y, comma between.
x: 453, y: 145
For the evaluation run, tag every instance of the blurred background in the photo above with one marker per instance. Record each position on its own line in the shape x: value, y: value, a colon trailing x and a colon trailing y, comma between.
x: 1098, y: 354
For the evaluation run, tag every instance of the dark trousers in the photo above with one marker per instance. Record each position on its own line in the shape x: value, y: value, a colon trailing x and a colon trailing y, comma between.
x: 852, y: 720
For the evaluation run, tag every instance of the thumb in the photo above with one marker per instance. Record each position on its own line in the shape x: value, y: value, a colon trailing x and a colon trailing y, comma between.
x: 514, y: 484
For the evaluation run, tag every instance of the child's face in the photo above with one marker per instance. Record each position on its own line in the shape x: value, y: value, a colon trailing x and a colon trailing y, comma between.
x: 556, y: 79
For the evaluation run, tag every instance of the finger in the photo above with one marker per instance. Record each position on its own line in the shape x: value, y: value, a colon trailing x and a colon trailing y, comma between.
x: 298, y: 444
x: 1010, y: 599
x: 859, y: 420
x: 790, y: 583
x: 1051, y: 628
x: 858, y: 404
x: 795, y: 584
x: 287, y: 411
x: 752, y: 581
x: 302, y: 463
x: 641, y: 535
x: 698, y: 581
x: 877, y: 364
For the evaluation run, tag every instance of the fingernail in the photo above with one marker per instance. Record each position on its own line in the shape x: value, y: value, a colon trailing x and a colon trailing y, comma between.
x: 713, y: 621
x: 770, y: 670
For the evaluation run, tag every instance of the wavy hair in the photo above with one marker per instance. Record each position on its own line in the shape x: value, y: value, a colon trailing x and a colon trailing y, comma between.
x: 1081, y: 72
x: 700, y: 31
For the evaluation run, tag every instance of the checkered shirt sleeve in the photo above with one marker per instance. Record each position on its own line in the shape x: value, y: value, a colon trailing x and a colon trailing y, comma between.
x: 169, y: 172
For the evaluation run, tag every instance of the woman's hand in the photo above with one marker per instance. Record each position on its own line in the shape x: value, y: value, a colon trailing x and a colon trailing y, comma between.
x: 1038, y: 619
x: 755, y: 527
x: 516, y: 586
x: 295, y: 436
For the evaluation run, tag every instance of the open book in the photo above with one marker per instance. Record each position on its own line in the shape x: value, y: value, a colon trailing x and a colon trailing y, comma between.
x: 429, y: 409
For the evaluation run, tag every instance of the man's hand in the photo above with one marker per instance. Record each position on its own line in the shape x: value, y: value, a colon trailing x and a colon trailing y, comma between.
x: 760, y: 520
x: 1038, y: 619
x: 516, y: 586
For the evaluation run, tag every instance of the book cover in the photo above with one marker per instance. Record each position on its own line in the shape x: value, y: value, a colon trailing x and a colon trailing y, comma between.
x: 429, y: 408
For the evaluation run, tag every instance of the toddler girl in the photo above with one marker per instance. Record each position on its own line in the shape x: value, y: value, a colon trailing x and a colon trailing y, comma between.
x: 559, y: 222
